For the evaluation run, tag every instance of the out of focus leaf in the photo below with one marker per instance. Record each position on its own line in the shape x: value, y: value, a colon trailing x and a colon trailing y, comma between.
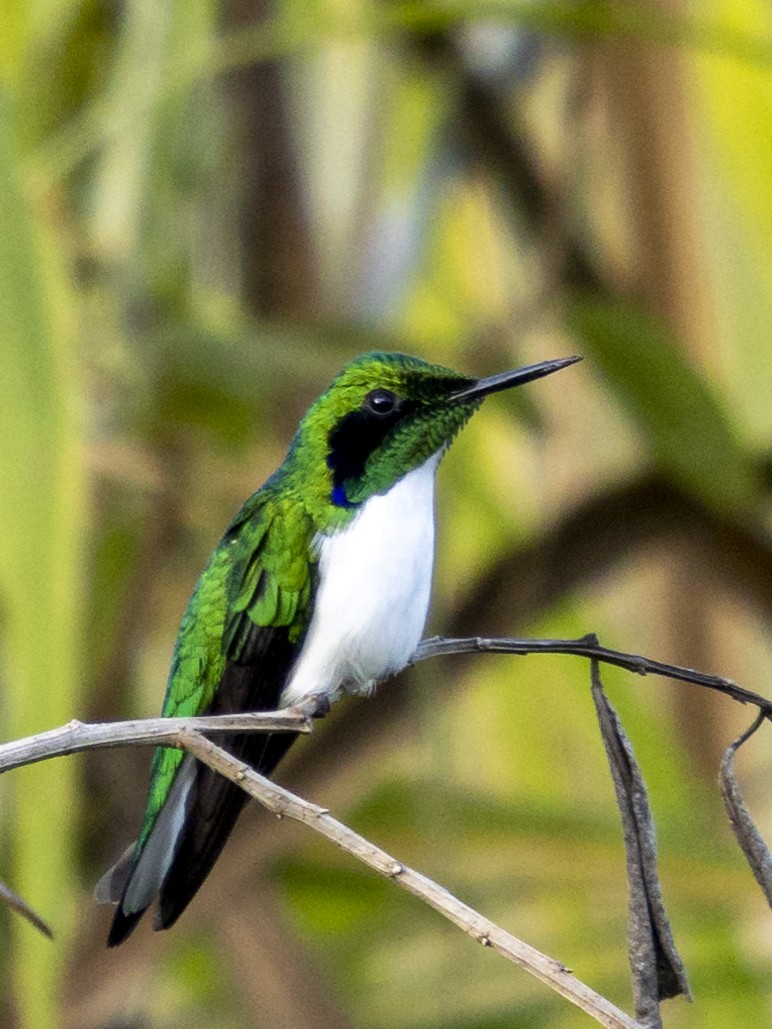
x: 41, y: 491
x: 737, y: 212
x: 750, y: 839
x: 690, y: 433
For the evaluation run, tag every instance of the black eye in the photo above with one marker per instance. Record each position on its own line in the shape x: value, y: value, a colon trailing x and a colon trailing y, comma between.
x: 380, y: 401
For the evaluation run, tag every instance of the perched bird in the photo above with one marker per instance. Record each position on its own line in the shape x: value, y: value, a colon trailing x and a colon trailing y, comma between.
x: 320, y: 586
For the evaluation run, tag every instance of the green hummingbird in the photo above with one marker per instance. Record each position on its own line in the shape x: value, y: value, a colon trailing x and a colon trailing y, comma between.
x: 320, y: 586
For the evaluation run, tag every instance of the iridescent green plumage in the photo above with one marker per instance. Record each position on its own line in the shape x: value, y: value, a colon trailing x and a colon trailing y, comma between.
x: 260, y: 575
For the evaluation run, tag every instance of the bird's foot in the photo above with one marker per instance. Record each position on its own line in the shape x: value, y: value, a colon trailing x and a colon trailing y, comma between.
x: 317, y: 705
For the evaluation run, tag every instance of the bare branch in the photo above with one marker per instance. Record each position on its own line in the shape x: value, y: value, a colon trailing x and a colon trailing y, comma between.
x: 285, y: 804
x: 588, y: 646
x: 77, y: 736
x: 186, y: 733
x: 17, y: 903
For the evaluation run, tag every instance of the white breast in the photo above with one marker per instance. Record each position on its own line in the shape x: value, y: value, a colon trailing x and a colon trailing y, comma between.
x: 373, y: 597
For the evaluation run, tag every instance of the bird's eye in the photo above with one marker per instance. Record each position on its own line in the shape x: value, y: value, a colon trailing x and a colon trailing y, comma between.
x: 380, y: 401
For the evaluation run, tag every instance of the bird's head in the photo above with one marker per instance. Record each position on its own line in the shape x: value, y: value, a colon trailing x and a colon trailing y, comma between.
x: 386, y: 414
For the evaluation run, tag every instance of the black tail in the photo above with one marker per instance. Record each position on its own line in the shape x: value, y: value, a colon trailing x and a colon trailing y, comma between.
x: 216, y: 805
x: 211, y: 803
x: 122, y: 927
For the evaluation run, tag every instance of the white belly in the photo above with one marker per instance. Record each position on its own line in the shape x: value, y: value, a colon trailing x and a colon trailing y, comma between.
x: 371, y: 605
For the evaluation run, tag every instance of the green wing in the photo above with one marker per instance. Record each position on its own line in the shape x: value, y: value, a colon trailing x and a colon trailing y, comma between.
x: 259, y: 578
x: 235, y: 647
x: 271, y: 581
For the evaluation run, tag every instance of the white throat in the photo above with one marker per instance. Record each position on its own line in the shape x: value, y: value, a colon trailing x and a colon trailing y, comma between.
x: 375, y: 578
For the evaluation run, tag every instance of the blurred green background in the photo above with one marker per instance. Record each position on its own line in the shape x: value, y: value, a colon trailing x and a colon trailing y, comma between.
x: 205, y: 209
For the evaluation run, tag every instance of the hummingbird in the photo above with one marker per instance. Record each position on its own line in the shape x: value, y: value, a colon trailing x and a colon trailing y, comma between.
x: 319, y: 587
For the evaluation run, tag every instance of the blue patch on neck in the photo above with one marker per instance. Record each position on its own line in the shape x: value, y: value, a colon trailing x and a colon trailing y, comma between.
x: 339, y: 497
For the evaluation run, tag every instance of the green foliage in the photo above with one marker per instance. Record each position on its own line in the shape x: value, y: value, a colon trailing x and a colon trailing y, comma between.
x: 41, y: 535
x: 689, y: 431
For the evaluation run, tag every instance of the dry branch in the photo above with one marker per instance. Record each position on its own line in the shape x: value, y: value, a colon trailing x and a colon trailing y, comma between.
x: 78, y: 736
x: 589, y: 647
x: 186, y: 733
x: 285, y: 804
x: 17, y: 903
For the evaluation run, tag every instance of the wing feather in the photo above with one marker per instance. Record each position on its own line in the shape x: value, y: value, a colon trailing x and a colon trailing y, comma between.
x: 237, y: 643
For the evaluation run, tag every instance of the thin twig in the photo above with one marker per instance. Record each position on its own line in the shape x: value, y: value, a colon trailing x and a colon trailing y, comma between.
x: 78, y: 736
x: 283, y: 803
x: 17, y: 903
x: 588, y: 647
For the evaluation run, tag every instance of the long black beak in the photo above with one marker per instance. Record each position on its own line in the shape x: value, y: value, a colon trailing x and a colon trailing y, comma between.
x: 505, y: 380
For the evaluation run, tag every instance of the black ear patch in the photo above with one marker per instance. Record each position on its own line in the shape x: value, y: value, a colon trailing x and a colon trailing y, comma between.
x: 361, y: 432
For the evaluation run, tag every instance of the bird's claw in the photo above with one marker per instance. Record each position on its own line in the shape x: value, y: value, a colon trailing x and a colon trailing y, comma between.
x: 316, y: 706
